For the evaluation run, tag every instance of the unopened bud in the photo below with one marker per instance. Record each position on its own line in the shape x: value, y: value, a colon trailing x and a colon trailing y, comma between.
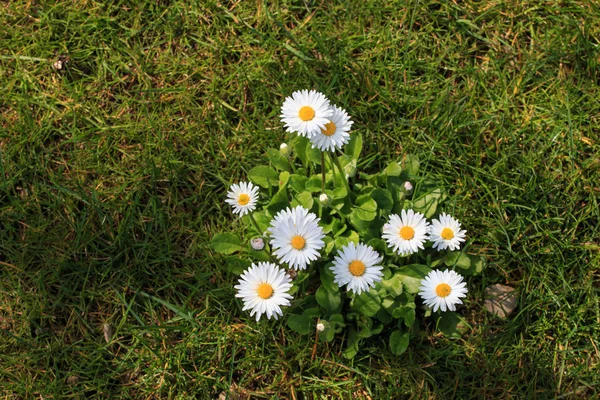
x: 257, y: 244
x: 284, y: 149
x: 320, y: 327
x: 324, y: 198
x: 407, y: 186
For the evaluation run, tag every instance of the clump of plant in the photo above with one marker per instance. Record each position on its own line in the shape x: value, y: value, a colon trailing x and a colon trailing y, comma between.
x: 351, y: 254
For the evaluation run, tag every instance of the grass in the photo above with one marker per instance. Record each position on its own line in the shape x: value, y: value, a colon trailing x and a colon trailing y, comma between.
x: 114, y: 171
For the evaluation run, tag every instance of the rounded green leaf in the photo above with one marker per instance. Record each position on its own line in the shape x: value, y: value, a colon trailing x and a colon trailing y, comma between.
x: 278, y: 160
x: 399, y: 342
x: 383, y: 198
x: 330, y: 301
x: 302, y: 324
x: 365, y: 208
x: 412, y: 275
x: 367, y: 304
x: 264, y: 176
x: 226, y: 243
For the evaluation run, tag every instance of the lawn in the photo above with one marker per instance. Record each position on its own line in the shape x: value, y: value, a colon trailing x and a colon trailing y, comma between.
x: 123, y: 123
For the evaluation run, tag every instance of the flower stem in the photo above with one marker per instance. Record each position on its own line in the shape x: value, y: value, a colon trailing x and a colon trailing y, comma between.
x: 336, y: 160
x: 255, y: 224
x: 322, y: 172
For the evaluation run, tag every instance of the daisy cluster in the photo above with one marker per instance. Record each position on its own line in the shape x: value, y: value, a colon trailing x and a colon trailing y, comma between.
x: 295, y: 237
x: 310, y: 114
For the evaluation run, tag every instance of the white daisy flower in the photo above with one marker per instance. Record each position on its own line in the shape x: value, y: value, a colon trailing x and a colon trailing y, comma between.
x: 336, y: 131
x: 264, y: 289
x: 407, y: 233
x: 446, y: 233
x: 356, y: 266
x: 242, y: 197
x: 442, y: 290
x: 305, y: 112
x: 296, y: 237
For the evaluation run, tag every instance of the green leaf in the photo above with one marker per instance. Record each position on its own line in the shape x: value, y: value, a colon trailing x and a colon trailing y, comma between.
x: 412, y: 275
x: 393, y: 285
x: 337, y: 322
x: 410, y: 164
x: 470, y: 265
x: 352, y: 341
x: 358, y: 223
x: 427, y: 204
x: 298, y: 182
x: 328, y: 280
x: 284, y: 177
x: 399, y: 342
x: 449, y: 324
x: 367, y: 304
x: 383, y: 198
x: 226, y: 243
x: 236, y: 265
x: 329, y: 244
x: 264, y: 176
x: 409, y: 316
x: 330, y: 301
x: 313, y: 184
x: 314, y: 312
x: 339, y: 192
x: 305, y: 199
x: 365, y: 208
x: 354, y: 146
x: 301, y: 146
x: 278, y: 160
x: 278, y: 202
x: 365, y: 326
x: 393, y: 169
x: 300, y: 323
x: 263, y: 220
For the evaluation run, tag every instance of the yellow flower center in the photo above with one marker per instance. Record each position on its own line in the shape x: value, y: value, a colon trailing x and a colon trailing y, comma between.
x: 357, y: 268
x: 298, y: 242
x: 243, y: 199
x: 407, y: 233
x: 306, y: 113
x: 443, y: 289
x: 329, y: 129
x: 447, y: 234
x: 265, y: 291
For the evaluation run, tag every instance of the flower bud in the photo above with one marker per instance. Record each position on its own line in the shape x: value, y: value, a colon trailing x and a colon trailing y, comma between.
x: 408, y: 186
x: 320, y: 327
x: 284, y: 149
x: 257, y: 244
x: 324, y: 199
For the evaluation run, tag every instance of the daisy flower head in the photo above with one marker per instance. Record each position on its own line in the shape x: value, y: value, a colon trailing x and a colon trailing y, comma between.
x: 305, y: 112
x: 406, y: 233
x: 336, y: 132
x: 443, y: 290
x: 296, y: 237
x: 356, y: 266
x: 264, y: 289
x: 446, y: 233
x: 242, y: 197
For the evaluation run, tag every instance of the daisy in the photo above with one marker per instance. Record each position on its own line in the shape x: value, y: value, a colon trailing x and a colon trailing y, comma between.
x: 336, y: 131
x: 446, y: 233
x: 442, y: 290
x: 356, y: 266
x: 407, y: 233
x: 296, y: 237
x: 305, y: 112
x: 264, y: 288
x: 242, y: 197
